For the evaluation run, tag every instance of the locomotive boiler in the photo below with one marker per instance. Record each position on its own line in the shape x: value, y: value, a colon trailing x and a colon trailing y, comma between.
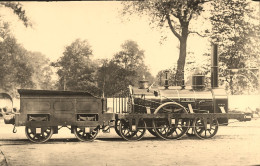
x: 167, y: 112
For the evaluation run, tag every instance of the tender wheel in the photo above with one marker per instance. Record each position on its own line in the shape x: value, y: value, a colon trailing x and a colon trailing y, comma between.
x: 129, y: 135
x: 208, y: 132
x: 117, y: 125
x: 83, y: 134
x: 38, y: 135
x: 179, y: 126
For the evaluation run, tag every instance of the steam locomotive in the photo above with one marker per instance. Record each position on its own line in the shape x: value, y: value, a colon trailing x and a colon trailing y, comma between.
x: 167, y: 112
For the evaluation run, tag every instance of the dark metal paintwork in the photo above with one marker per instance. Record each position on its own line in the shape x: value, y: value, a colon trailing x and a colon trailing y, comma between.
x: 30, y: 92
x: 62, y: 107
x: 214, y: 66
x: 203, y: 100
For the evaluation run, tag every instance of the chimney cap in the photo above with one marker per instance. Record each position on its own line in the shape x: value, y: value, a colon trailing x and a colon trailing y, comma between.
x: 198, y: 71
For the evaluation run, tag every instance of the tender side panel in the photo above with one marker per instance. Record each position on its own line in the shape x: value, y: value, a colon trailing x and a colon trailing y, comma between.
x: 88, y: 112
x: 34, y: 109
x: 59, y: 110
x: 64, y: 110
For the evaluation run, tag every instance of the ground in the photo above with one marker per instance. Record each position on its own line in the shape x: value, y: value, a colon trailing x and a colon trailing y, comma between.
x: 236, y: 144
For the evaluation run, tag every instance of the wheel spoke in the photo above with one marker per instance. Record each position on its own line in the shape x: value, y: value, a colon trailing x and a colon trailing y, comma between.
x: 203, y: 133
x: 132, y: 135
x: 166, y: 131
x: 83, y: 136
x: 45, y: 135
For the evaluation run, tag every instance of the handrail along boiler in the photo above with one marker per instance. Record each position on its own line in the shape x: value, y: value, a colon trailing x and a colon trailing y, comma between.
x: 167, y: 113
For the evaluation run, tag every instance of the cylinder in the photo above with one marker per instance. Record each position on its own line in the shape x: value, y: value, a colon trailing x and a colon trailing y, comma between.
x: 214, y: 66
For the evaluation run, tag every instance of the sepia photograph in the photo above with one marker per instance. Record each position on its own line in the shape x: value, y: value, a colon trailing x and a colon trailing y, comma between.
x: 130, y: 82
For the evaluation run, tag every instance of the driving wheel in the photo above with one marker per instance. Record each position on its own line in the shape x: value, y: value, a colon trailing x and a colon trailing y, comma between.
x: 177, y: 129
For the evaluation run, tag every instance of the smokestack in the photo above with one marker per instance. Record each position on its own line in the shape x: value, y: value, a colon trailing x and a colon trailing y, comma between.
x: 166, y: 84
x: 214, y: 66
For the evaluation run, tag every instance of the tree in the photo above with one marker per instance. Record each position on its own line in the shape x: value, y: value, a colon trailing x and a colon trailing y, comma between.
x: 76, y: 70
x: 176, y: 14
x: 15, y: 70
x: 113, y: 79
x: 236, y: 31
x: 42, y: 75
x: 18, y: 10
x: 125, y: 68
x: 131, y: 58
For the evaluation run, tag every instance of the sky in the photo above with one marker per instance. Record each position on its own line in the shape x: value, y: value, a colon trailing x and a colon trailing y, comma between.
x: 57, y: 24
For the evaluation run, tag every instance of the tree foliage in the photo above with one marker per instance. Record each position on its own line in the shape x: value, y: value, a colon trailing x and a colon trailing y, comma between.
x: 76, y: 70
x: 14, y: 67
x: 236, y: 31
x: 173, y: 14
x: 18, y: 10
x: 125, y: 68
x: 131, y: 57
x: 21, y: 68
x: 42, y: 71
x: 113, y: 79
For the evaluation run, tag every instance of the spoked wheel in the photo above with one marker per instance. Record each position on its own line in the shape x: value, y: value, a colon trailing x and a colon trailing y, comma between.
x: 207, y: 131
x: 152, y: 132
x: 128, y: 134
x: 190, y: 132
x: 177, y: 129
x: 84, y: 134
x: 38, y: 134
x: 117, y: 125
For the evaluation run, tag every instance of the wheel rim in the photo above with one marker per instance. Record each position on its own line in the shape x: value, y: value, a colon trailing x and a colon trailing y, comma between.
x: 42, y: 135
x: 201, y: 132
x: 152, y: 132
x: 82, y: 135
x: 127, y: 134
x: 162, y: 126
x: 117, y: 125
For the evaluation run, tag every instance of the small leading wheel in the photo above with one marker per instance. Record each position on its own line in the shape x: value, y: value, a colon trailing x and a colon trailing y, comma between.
x: 132, y: 135
x: 85, y: 133
x: 117, y: 124
x: 177, y: 129
x: 207, y: 131
x: 38, y: 134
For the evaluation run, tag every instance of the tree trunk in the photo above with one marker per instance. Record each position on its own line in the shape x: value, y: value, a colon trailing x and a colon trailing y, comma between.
x: 231, y: 85
x: 182, y: 55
